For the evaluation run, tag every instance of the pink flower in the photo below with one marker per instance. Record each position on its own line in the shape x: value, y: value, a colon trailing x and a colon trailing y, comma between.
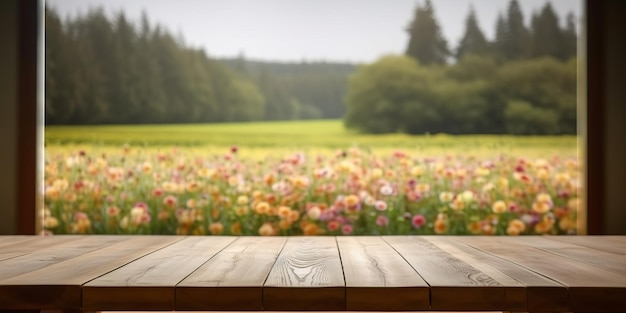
x: 346, y: 229
x: 333, y: 225
x: 380, y: 205
x: 418, y: 221
x: 382, y: 221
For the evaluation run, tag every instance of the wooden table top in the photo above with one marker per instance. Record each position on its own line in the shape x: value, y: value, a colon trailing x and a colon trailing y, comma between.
x: 383, y: 273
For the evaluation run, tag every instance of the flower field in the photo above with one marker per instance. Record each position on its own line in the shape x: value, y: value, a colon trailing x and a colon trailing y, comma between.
x: 138, y: 190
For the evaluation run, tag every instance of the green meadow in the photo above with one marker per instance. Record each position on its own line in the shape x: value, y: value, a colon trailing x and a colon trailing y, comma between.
x: 270, y: 137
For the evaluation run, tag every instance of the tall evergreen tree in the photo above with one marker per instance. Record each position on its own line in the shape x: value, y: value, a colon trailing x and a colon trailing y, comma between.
x: 569, y: 36
x: 473, y: 41
x: 512, y: 36
x: 499, y: 40
x: 426, y: 43
x: 547, y: 38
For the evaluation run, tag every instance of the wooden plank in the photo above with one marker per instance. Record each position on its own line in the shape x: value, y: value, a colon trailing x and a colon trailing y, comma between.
x: 591, y: 289
x: 58, y: 286
x: 306, y: 276
x: 29, y: 244
x: 378, y: 278
x: 611, y: 244
x: 149, y: 282
x: 68, y: 247
x: 454, y: 284
x: 15, y: 239
x: 609, y: 261
x: 233, y: 279
x: 539, y: 293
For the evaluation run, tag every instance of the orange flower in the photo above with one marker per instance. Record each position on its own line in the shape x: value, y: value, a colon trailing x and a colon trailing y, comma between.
x: 267, y: 229
x: 441, y: 224
x: 216, y: 228
x: 310, y: 229
x: 499, y: 207
x: 262, y: 207
x: 283, y: 212
x: 351, y: 201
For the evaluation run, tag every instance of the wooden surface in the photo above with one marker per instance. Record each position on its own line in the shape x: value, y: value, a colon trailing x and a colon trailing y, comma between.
x: 369, y: 273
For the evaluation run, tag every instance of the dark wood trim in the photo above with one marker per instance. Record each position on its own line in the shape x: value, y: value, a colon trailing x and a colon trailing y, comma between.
x: 595, y: 139
x: 27, y: 117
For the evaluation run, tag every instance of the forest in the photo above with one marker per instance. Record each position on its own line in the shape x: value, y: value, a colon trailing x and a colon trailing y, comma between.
x: 103, y: 69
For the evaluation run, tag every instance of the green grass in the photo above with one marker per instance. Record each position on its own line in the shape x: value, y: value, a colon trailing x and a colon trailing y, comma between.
x: 291, y: 135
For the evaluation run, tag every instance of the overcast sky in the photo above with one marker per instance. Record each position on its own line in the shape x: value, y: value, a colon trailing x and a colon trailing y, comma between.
x: 313, y: 30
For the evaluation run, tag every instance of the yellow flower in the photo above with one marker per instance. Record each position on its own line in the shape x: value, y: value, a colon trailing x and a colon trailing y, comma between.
x: 146, y: 167
x: 50, y: 222
x: 446, y: 196
x: 503, y: 183
x: 562, y: 178
x: 457, y: 204
x: 512, y: 231
x: 314, y: 213
x: 567, y: 224
x: 544, y: 197
x: 235, y: 228
x: 242, y: 200
x: 542, y: 174
x: 466, y: 196
x: 423, y: 188
x: 241, y: 210
x: 482, y: 171
x: 573, y: 204
x: 541, y: 207
x: 417, y: 171
x: 499, y: 207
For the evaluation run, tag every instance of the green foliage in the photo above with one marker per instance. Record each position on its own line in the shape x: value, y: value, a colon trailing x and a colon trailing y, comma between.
x: 524, y: 119
x: 396, y: 94
x: 302, y: 90
x: 389, y: 95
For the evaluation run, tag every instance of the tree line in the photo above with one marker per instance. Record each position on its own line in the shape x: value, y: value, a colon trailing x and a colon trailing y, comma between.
x: 102, y: 70
x: 523, y: 82
x: 109, y: 70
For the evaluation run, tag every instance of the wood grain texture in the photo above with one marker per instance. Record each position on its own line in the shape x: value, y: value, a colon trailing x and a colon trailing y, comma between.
x: 539, y: 293
x: 609, y: 261
x: 378, y: 278
x: 233, y: 279
x: 58, y: 286
x: 454, y: 284
x: 149, y: 283
x: 536, y: 274
x: 585, y: 283
x: 22, y: 245
x: 306, y: 276
x: 611, y: 244
x: 41, y: 254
